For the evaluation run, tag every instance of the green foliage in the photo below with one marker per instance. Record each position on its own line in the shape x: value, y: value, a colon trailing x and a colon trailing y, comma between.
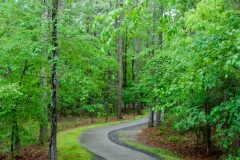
x: 196, y: 68
x: 173, y: 139
x: 94, y: 108
x: 25, y: 47
x: 227, y: 116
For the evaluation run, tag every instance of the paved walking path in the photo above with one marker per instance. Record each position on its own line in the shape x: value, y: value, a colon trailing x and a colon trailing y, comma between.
x: 96, y: 140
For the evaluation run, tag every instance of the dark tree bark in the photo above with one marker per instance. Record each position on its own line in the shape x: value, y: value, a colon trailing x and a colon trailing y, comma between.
x: 158, y: 117
x: 53, y: 136
x: 120, y: 78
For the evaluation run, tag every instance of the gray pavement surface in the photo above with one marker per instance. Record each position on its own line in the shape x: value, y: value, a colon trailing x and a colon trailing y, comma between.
x: 96, y: 140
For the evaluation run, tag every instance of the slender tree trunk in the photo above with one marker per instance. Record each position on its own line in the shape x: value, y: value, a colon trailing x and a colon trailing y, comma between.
x: 106, y: 118
x: 138, y: 63
x: 208, y: 125
x: 43, y: 133
x: 108, y: 89
x: 120, y: 79
x: 133, y: 79
x: 158, y: 115
x: 151, y: 118
x: 125, y: 61
x: 125, y: 44
x: 158, y: 118
x: 133, y: 75
x: 160, y: 43
x: 15, y: 139
x: 61, y: 10
x: 53, y: 138
x: 138, y: 69
x: 109, y: 77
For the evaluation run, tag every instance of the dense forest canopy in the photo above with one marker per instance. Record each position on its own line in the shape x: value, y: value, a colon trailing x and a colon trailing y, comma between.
x: 102, y: 58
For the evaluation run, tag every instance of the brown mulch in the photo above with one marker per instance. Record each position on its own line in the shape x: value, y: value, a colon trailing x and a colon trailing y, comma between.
x: 33, y: 152
x: 183, y: 146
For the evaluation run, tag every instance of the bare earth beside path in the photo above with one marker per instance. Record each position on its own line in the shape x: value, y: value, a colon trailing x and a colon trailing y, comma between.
x: 183, y: 146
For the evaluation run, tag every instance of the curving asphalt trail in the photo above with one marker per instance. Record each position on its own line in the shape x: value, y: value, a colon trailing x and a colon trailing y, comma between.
x: 96, y: 140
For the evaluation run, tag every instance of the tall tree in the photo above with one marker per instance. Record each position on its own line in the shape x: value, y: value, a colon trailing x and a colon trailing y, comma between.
x: 125, y: 46
x: 43, y: 134
x: 138, y: 69
x: 53, y: 136
x: 120, y: 71
x: 151, y: 114
x: 160, y: 43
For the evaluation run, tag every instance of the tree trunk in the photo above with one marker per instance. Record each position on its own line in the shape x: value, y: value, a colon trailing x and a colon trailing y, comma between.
x: 125, y: 61
x: 133, y: 79
x: 53, y: 136
x: 43, y: 133
x: 15, y: 141
x: 108, y: 89
x: 138, y: 69
x: 150, y: 118
x: 138, y: 63
x: 151, y: 121
x: 120, y: 79
x: 106, y: 118
x: 160, y: 43
x: 158, y: 118
x: 91, y: 115
x: 208, y: 125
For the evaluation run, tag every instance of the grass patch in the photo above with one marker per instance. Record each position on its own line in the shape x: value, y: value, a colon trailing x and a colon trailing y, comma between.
x: 160, y: 152
x: 70, y: 149
x: 68, y: 146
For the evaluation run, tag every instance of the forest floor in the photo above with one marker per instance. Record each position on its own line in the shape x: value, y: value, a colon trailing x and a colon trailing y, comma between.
x: 183, y: 146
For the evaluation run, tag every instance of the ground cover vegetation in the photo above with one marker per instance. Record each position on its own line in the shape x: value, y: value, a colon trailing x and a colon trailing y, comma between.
x: 72, y: 59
